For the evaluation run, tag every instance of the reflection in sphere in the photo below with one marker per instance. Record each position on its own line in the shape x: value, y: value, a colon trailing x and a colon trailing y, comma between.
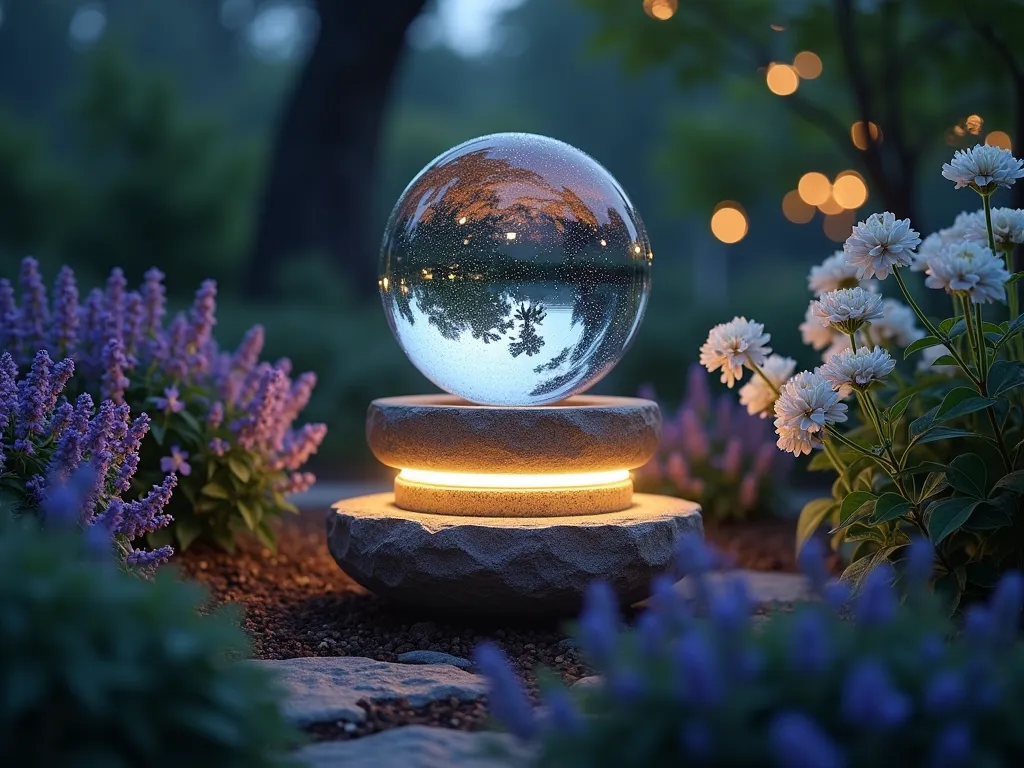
x: 514, y: 270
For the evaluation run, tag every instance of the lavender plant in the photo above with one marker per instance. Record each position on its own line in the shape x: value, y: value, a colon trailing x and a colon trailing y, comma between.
x: 936, y: 452
x: 100, y: 668
x: 838, y: 683
x: 222, y: 422
x: 45, y: 439
x: 716, y: 454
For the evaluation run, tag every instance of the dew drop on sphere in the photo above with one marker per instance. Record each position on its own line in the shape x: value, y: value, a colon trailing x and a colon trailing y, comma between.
x: 514, y: 270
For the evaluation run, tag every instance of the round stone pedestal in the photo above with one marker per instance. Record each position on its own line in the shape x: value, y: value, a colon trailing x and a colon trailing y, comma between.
x: 524, y: 567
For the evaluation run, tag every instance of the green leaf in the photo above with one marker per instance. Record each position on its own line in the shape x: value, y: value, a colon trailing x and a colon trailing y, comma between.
x: 948, y: 323
x: 1013, y: 482
x: 945, y: 360
x: 948, y: 515
x: 1004, y: 376
x: 947, y: 433
x: 894, y: 414
x: 239, y: 469
x: 949, y: 588
x: 186, y: 530
x: 933, y: 484
x: 820, y: 462
x: 811, y: 517
x: 917, y: 346
x: 988, y: 517
x: 215, y: 491
x: 968, y: 475
x: 1013, y: 279
x: 856, y: 506
x: 959, y: 402
x: 858, y: 569
x: 861, y: 532
x: 190, y: 421
x: 265, y: 535
x: 252, y: 514
x: 158, y: 431
x: 890, y: 506
x: 923, y: 423
x: 958, y: 329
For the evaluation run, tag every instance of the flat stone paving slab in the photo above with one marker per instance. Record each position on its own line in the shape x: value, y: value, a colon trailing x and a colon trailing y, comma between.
x: 328, y: 689
x: 412, y: 746
x: 766, y: 588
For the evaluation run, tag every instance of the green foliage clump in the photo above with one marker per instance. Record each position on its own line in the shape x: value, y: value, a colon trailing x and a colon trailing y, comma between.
x: 98, y: 667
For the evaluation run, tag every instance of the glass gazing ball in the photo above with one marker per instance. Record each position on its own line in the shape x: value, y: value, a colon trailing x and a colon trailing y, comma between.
x: 514, y: 270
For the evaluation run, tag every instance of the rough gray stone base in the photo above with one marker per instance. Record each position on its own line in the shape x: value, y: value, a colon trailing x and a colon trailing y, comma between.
x: 509, y: 567
x: 433, y: 657
x: 414, y: 746
x: 328, y: 689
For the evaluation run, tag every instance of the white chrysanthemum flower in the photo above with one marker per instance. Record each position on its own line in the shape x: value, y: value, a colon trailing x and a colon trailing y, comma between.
x: 898, y: 324
x: 930, y: 355
x: 797, y: 441
x: 832, y: 274
x: 1007, y: 228
x: 840, y: 343
x: 879, y: 244
x: 858, y: 369
x: 813, y: 331
x: 757, y: 395
x: 983, y: 168
x: 847, y: 309
x: 733, y: 345
x: 806, y: 404
x: 971, y: 269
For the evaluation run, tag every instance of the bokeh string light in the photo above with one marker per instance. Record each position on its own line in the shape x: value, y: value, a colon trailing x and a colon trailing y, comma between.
x: 795, y: 209
x: 662, y: 10
x: 782, y: 79
x: 999, y: 139
x: 814, y: 188
x: 861, y: 136
x: 808, y: 65
x: 729, y: 222
x: 849, y: 190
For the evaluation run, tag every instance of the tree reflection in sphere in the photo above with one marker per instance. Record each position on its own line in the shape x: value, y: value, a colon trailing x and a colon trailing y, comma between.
x: 514, y: 270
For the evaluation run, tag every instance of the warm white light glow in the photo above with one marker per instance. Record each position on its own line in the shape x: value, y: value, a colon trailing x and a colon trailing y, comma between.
x: 473, y: 480
x: 604, y: 242
x: 510, y: 235
x: 462, y: 220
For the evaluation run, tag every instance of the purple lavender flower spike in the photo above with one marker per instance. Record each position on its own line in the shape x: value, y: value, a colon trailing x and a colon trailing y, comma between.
x: 698, y: 395
x: 725, y: 410
x: 507, y: 698
x: 154, y: 302
x: 810, y: 651
x: 284, y: 364
x: 99, y: 463
x: 869, y: 699
x: 140, y: 558
x: 62, y: 419
x: 8, y: 314
x: 300, y: 446
x: 114, y: 382
x: 8, y: 389
x: 178, y: 354
x: 599, y: 623
x: 697, y: 670
x: 35, y: 311
x: 129, y: 451
x: 695, y: 437
x: 247, y: 355
x: 92, y: 333
x: 218, y: 447
x: 216, y: 415
x: 877, y: 601
x: 797, y: 742
x: 202, y: 316
x: 732, y: 458
x: 117, y: 287
x: 33, y: 395
x: 59, y: 378
x: 146, y: 514
x: 63, y: 337
x: 134, y: 327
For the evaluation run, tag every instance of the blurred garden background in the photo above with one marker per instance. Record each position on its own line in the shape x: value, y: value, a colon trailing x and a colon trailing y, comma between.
x: 263, y: 143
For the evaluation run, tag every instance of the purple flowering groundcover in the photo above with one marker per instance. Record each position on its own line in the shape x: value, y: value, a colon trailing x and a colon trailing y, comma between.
x: 222, y: 423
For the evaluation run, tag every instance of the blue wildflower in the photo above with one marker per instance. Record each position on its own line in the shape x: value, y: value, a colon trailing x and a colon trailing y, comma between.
x: 696, y: 739
x: 952, y: 746
x: 697, y: 674
x: 877, y: 601
x: 599, y: 623
x: 944, y: 692
x: 809, y: 649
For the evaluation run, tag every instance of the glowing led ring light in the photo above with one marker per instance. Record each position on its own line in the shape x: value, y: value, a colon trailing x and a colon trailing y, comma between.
x: 473, y: 480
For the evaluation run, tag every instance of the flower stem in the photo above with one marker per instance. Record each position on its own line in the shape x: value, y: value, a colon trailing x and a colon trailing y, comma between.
x: 769, y: 382
x: 1012, y: 298
x: 837, y: 462
x: 931, y: 327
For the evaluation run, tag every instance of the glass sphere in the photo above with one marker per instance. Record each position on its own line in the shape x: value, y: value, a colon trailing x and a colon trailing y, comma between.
x: 514, y: 270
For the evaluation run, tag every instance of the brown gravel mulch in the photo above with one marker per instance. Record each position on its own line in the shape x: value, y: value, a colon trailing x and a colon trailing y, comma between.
x: 297, y: 602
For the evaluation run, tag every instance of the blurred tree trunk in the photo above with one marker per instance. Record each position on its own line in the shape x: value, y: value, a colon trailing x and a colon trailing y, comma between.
x: 317, y: 197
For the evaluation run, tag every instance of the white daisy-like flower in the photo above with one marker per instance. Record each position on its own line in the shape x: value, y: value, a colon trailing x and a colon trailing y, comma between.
x: 814, y: 332
x: 733, y: 345
x: 930, y: 355
x: 847, y: 309
x: 879, y: 244
x: 983, y: 168
x: 898, y: 324
x: 858, y: 369
x: 832, y: 274
x: 1007, y: 228
x: 971, y: 269
x: 797, y: 441
x: 806, y: 404
x: 757, y: 395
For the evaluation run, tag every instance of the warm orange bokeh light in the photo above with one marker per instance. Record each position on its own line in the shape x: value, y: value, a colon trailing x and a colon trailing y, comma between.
x: 838, y: 226
x: 831, y: 206
x: 860, y: 137
x: 729, y: 223
x: 782, y: 79
x: 999, y: 139
x: 849, y: 190
x: 814, y: 188
x: 973, y: 124
x: 662, y: 10
x: 795, y: 209
x: 808, y: 65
